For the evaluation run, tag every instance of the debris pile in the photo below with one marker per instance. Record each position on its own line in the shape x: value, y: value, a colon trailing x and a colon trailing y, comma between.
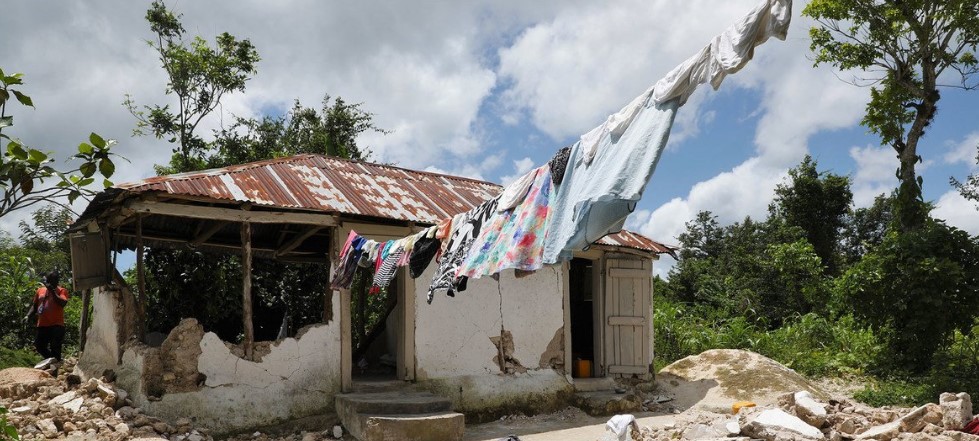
x: 42, y: 406
x: 800, y: 416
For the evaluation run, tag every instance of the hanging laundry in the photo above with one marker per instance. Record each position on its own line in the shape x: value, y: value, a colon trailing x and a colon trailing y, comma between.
x: 422, y: 255
x: 513, y: 239
x: 558, y: 163
x: 514, y: 193
x: 347, y: 262
x: 386, y: 271
x: 465, y: 227
x: 610, y: 165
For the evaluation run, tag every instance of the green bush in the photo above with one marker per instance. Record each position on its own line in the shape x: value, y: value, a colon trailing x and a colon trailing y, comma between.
x: 897, y: 393
x: 17, y: 358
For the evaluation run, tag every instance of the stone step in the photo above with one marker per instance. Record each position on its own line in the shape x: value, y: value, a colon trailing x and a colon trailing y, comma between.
x: 399, y: 415
x: 594, y: 384
x: 441, y: 426
x: 392, y: 403
x: 374, y: 386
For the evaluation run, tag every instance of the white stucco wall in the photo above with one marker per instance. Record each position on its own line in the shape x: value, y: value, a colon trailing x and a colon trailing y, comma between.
x: 297, y: 378
x: 101, y: 340
x: 454, y: 352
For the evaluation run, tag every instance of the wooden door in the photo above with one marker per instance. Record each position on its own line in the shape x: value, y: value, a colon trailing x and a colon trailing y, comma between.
x: 628, y: 308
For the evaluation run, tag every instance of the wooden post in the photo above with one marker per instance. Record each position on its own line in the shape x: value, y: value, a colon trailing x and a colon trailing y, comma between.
x: 346, y: 346
x: 83, y: 326
x: 140, y: 280
x: 246, y: 285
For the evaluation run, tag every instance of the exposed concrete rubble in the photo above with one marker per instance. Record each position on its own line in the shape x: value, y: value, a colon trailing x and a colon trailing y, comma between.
x: 45, y: 407
x: 800, y: 417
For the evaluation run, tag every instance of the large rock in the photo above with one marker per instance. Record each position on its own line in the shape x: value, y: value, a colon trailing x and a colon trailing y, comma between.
x: 804, y: 406
x: 714, y: 379
x: 778, y: 425
x: 956, y: 410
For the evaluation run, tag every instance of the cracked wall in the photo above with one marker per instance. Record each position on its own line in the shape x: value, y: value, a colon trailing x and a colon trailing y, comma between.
x: 297, y: 377
x: 459, y: 341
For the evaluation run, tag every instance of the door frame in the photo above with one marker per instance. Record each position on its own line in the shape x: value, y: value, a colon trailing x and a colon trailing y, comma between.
x: 597, y: 257
x: 406, y: 357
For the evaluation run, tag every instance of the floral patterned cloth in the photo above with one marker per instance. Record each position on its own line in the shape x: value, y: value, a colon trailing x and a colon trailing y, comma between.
x: 513, y: 238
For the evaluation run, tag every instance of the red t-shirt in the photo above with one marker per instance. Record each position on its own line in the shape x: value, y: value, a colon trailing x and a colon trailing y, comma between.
x: 50, y: 313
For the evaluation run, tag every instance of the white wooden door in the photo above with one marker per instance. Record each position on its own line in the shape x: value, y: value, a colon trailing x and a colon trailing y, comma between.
x: 628, y: 306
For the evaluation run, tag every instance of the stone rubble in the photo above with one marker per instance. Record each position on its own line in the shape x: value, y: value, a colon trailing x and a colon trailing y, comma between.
x: 44, y: 407
x: 801, y: 417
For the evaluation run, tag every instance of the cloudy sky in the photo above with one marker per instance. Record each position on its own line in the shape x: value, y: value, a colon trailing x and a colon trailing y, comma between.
x: 488, y: 89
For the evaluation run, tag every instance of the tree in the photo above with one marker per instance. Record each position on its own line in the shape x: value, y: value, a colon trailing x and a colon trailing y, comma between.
x: 970, y: 188
x: 817, y: 203
x: 199, y: 75
x: 865, y: 228
x: 915, y: 289
x: 906, y: 46
x: 27, y: 176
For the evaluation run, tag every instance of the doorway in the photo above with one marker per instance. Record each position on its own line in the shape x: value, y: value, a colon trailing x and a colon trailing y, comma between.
x: 584, y: 301
x: 375, y: 328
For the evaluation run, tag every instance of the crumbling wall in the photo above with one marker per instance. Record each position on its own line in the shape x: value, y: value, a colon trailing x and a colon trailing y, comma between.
x: 493, y: 346
x: 106, y: 333
x: 195, y: 375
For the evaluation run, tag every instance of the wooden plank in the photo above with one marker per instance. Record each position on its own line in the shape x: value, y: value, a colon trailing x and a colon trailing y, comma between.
x: 83, y: 326
x: 620, y: 320
x: 627, y: 334
x: 206, y: 233
x: 566, y: 306
x: 297, y: 240
x: 622, y: 369
x: 140, y: 279
x: 408, y: 324
x: 346, y: 343
x: 628, y: 273
x: 598, y: 315
x: 231, y: 214
x: 246, y: 288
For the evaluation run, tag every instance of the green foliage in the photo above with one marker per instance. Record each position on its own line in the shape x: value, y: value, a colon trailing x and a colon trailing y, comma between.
x: 817, y: 203
x: 865, y: 229
x: 970, y: 188
x: 896, y: 392
x: 811, y: 344
x: 17, y: 358
x: 42, y: 248
x: 198, y: 75
x: 916, y: 289
x: 905, y: 46
x: 7, y: 430
x: 27, y: 176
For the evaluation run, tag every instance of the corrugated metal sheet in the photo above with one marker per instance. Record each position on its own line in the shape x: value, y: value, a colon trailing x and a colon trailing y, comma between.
x: 321, y: 183
x: 628, y: 239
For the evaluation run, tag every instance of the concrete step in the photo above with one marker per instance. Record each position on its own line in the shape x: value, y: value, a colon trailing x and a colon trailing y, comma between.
x: 441, y: 426
x: 594, y: 384
x: 399, y: 416
x: 379, y: 385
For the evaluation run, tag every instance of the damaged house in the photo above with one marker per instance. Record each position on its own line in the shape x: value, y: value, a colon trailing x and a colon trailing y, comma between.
x: 514, y: 342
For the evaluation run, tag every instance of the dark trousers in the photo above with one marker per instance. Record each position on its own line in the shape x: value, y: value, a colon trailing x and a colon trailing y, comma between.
x: 48, y: 341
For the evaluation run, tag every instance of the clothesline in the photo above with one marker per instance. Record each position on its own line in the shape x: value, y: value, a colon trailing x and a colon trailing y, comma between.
x: 583, y: 193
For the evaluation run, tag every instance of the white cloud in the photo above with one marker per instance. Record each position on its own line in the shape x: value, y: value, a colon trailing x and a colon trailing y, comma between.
x: 958, y: 211
x: 520, y: 168
x: 875, y: 167
x: 964, y: 151
x: 569, y: 72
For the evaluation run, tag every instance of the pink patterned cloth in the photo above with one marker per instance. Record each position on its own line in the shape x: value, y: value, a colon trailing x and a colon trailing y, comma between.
x: 513, y: 238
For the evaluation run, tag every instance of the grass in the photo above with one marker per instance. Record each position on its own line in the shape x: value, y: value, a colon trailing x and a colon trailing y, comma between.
x: 17, y: 358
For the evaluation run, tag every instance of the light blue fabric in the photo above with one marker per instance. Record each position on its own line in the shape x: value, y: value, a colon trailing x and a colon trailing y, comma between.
x: 594, y: 200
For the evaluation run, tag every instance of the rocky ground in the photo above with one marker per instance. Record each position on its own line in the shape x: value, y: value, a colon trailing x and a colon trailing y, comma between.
x: 694, y: 403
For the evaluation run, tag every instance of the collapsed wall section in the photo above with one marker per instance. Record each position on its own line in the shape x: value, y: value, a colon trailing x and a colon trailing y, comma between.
x: 496, y: 347
x: 194, y: 374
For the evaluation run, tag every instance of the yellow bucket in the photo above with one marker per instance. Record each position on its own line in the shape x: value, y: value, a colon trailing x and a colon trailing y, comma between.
x: 582, y: 368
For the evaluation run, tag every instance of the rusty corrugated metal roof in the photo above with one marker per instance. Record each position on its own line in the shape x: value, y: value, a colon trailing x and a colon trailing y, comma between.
x: 628, y: 239
x: 322, y: 183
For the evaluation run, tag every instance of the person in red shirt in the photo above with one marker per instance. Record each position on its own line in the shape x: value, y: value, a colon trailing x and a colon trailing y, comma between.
x: 49, y: 307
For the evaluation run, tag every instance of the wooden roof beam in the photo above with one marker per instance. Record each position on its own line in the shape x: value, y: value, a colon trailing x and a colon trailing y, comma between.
x: 231, y: 214
x: 297, y: 240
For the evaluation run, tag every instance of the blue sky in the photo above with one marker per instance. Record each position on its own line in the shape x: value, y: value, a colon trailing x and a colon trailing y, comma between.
x: 489, y: 89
